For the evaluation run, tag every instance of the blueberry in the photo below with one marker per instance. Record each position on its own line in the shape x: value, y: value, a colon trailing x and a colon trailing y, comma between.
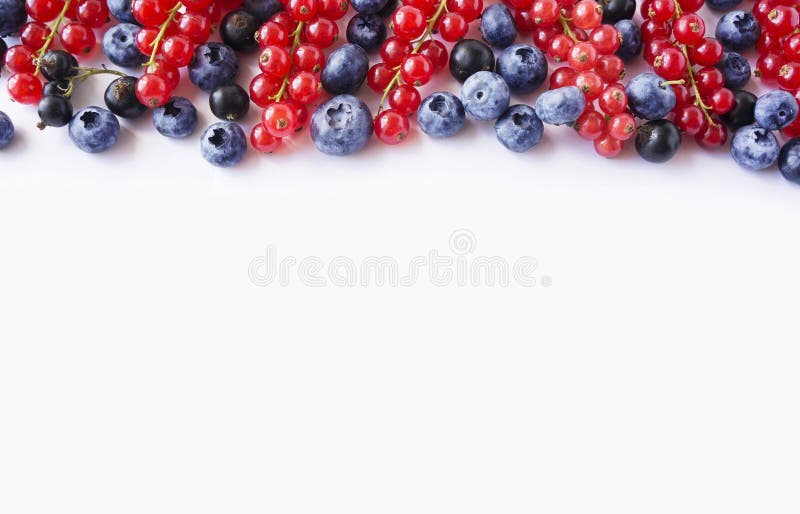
x: 657, y: 140
x: 341, y: 126
x: 120, y: 98
x: 470, y: 56
x: 738, y: 30
x: 485, y: 96
x: 12, y: 16
x: 441, y: 115
x: 775, y: 110
x: 735, y: 69
x: 223, y: 144
x: 94, y: 129
x: 263, y: 9
x: 519, y: 129
x: 722, y: 5
x: 647, y: 98
x: 213, y: 65
x: 523, y: 67
x: 367, y: 31
x: 177, y: 118
x: 121, y: 9
x: 789, y: 160
x: 497, y: 26
x: 6, y: 129
x: 631, y: 44
x: 345, y: 70
x: 560, y: 106
x: 119, y: 45
x: 754, y: 148
x: 743, y: 111
x: 616, y: 10
x: 369, y: 6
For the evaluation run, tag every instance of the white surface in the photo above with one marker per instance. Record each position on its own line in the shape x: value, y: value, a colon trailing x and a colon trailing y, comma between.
x: 142, y: 371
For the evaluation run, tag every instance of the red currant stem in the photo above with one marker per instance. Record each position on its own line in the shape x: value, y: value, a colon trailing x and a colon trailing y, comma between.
x: 698, y: 101
x: 565, y: 25
x: 295, y: 43
x: 673, y: 82
x: 49, y: 39
x: 88, y: 72
x: 428, y: 33
x: 156, y: 44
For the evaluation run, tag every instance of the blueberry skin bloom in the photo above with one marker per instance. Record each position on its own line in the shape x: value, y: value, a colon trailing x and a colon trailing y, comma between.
x: 345, y: 70
x: 121, y: 9
x: 369, y: 6
x: 523, y: 67
x: 560, y: 106
x: 6, y: 130
x: 441, y: 115
x: 735, y: 69
x: 263, y: 9
x: 647, y: 98
x: 367, y: 31
x: 94, y: 129
x: 341, y: 126
x: 722, y: 5
x: 497, y: 26
x: 223, y: 144
x: 213, y: 65
x: 119, y: 45
x: 789, y: 160
x: 754, y: 148
x: 177, y: 118
x: 485, y: 96
x: 738, y: 31
x: 631, y: 44
x: 519, y: 129
x: 12, y: 16
x: 775, y: 110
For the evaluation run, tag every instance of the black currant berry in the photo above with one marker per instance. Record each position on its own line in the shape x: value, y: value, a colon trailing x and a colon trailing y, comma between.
x: 470, y: 56
x: 658, y: 140
x: 54, y: 111
x: 389, y: 9
x: 616, y: 10
x: 58, y: 88
x: 58, y: 65
x: 121, y: 98
x: 238, y: 31
x: 743, y: 112
x: 3, y: 48
x: 229, y: 103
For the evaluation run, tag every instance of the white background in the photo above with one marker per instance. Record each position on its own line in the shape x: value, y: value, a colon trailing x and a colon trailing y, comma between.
x: 142, y: 371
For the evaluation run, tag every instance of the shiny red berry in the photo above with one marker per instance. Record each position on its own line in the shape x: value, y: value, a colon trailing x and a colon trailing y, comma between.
x: 391, y: 127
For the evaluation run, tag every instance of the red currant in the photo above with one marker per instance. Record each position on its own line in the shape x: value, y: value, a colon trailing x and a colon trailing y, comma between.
x: 77, y: 38
x: 405, y: 99
x: 275, y: 61
x: 262, y: 141
x: 280, y: 119
x: 409, y: 22
x: 416, y: 69
x: 391, y: 127
x: 25, y: 88
x: 590, y: 125
x: 152, y: 90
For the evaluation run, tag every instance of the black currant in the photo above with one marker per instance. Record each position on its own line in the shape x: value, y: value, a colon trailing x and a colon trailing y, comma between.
x: 58, y: 65
x: 120, y: 98
x: 743, y: 112
x: 58, y: 88
x: 3, y: 48
x: 229, y: 103
x: 470, y: 56
x: 238, y: 30
x: 615, y: 10
x: 657, y: 140
x: 389, y: 9
x: 54, y: 111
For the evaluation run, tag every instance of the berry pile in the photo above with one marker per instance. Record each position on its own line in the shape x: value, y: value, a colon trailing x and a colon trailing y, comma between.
x: 695, y: 88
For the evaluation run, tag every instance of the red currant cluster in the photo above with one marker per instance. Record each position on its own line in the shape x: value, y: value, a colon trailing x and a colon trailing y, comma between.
x: 72, y: 20
x: 412, y: 56
x: 779, y: 48
x: 674, y: 43
x: 290, y: 61
x: 170, y: 32
x: 573, y: 32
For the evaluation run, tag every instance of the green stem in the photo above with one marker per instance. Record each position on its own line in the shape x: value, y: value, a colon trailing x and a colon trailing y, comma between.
x: 428, y: 32
x: 295, y: 43
x: 49, y: 39
x: 565, y: 27
x: 88, y: 72
x: 156, y: 44
x: 698, y: 101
